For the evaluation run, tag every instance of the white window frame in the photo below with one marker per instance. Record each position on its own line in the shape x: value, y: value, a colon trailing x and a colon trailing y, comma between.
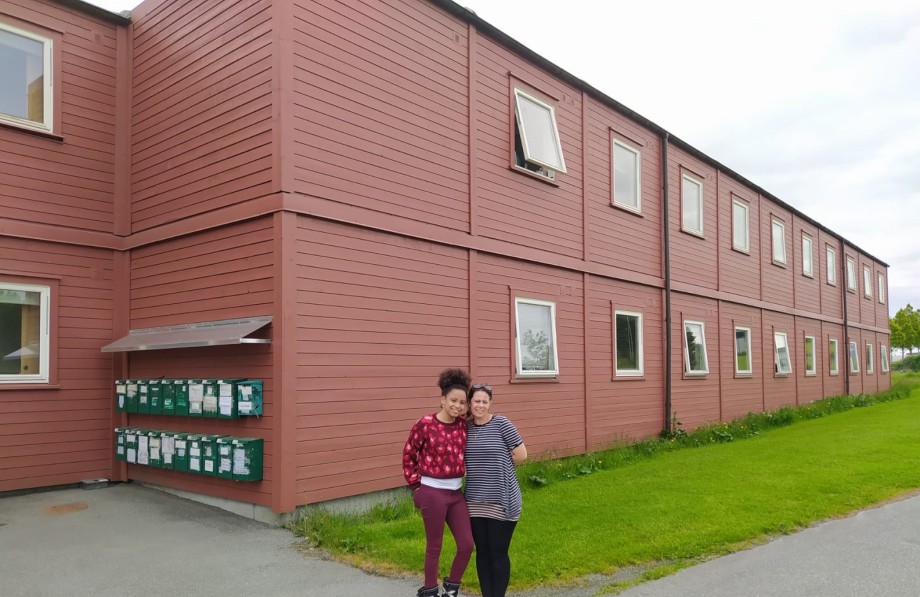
x: 781, y: 227
x: 47, y: 123
x: 636, y: 202
x: 881, y: 288
x: 854, y: 357
x: 750, y: 367
x: 883, y: 357
x: 851, y: 274
x: 870, y: 358
x: 831, y: 266
x: 685, y: 179
x: 833, y: 363
x: 44, y: 336
x: 808, y: 256
x: 556, y: 162
x: 867, y: 281
x: 640, y: 356
x: 744, y: 244
x: 519, y: 353
x: 813, y: 370
x: 687, y: 364
x: 777, y: 368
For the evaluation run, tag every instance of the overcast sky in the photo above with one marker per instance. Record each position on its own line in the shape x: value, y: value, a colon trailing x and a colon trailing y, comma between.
x: 816, y: 101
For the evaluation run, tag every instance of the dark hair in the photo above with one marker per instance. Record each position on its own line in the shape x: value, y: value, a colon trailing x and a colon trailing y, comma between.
x: 454, y: 378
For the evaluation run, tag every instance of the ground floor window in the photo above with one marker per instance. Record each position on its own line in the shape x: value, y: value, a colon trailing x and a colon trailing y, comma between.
x: 883, y: 357
x: 782, y: 363
x: 810, y: 367
x: 536, y: 338
x: 854, y: 358
x: 24, y: 337
x: 695, y: 360
x: 870, y: 358
x: 743, y: 364
x: 629, y: 344
x: 833, y: 366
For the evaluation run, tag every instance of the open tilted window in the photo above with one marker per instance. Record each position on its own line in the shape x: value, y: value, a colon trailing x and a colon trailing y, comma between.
x: 536, y: 139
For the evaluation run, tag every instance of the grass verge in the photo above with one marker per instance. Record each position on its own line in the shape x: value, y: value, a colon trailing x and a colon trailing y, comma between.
x: 658, y: 505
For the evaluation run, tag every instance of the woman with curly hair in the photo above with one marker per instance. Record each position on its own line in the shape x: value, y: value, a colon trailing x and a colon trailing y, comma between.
x: 434, y: 465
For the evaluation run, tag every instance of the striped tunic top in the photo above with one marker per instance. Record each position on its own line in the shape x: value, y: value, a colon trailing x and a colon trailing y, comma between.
x: 492, y: 489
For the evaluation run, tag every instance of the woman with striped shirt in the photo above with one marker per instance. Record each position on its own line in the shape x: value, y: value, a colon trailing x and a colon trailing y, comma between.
x: 493, y: 496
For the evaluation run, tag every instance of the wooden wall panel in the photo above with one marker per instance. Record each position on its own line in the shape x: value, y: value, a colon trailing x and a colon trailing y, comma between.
x: 739, y: 271
x: 61, y: 434
x: 833, y: 384
x: 807, y: 288
x: 380, y: 110
x: 67, y: 181
x: 856, y: 379
x: 623, y: 408
x: 694, y: 258
x: 379, y: 317
x: 617, y: 236
x: 777, y: 279
x: 779, y: 390
x: 201, y: 108
x: 740, y: 393
x: 831, y: 294
x: 808, y: 387
x: 695, y: 398
x: 854, y: 296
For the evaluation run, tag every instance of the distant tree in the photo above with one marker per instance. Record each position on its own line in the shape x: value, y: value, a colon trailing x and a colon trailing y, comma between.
x: 905, y: 329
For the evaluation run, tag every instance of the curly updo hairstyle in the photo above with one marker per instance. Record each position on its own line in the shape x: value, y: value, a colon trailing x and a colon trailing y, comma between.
x: 454, y: 378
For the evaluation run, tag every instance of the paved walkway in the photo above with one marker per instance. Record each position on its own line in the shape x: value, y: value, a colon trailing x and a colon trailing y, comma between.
x: 129, y: 540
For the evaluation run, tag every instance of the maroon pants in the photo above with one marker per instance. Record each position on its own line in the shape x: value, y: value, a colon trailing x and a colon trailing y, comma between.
x: 439, y: 506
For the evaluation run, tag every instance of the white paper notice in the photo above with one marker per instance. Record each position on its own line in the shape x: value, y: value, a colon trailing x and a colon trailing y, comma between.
x: 239, y: 462
x: 121, y: 450
x: 132, y: 455
x: 180, y: 447
x: 167, y: 458
x: 120, y: 388
x: 169, y: 446
x: 195, y: 451
x: 225, y: 465
x: 132, y: 390
x: 225, y: 389
x: 226, y: 405
x: 155, y: 448
x: 194, y: 464
x: 143, y: 449
x: 245, y: 408
x: 121, y: 401
x: 209, y: 466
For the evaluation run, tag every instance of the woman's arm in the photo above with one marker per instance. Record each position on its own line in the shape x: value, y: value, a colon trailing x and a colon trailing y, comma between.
x: 519, y: 454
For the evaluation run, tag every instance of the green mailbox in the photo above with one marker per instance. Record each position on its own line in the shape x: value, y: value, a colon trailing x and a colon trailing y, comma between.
x: 130, y: 445
x: 120, y: 452
x: 195, y: 398
x: 209, y: 455
x: 121, y: 390
x: 225, y: 457
x: 210, y: 398
x: 131, y: 396
x: 180, y: 461
x: 180, y: 387
x: 168, y: 449
x: 247, y: 459
x: 143, y: 397
x: 154, y: 448
x: 194, y: 454
x: 227, y: 399
x: 155, y: 392
x: 168, y: 390
x: 249, y: 397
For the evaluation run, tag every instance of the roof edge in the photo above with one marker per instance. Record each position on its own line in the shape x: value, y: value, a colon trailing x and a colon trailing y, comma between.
x: 123, y: 18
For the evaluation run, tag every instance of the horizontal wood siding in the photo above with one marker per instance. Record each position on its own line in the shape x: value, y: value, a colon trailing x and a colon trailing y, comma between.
x: 66, y: 182
x: 380, y: 110
x: 694, y: 258
x: 741, y: 393
x: 617, y: 236
x: 780, y: 390
x: 807, y: 288
x: 831, y: 294
x: 854, y: 297
x: 777, y: 279
x: 550, y: 413
x: 809, y: 387
x: 881, y: 308
x: 201, y: 108
x: 379, y: 317
x: 739, y: 271
x: 61, y: 434
x: 695, y: 398
x: 513, y: 206
x: 856, y: 379
x: 623, y: 408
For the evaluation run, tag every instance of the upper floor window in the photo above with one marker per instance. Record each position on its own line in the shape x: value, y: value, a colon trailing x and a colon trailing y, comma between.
x: 741, y: 237
x: 26, y: 95
x: 535, y: 323
x: 851, y: 274
x: 24, y: 338
x: 779, y: 242
x: 743, y: 365
x: 831, y: 266
x: 781, y: 354
x: 695, y: 360
x: 808, y: 257
x: 881, y: 288
x: 867, y: 281
x: 626, y: 176
x: 536, y: 138
x: 691, y: 196
x: 629, y: 343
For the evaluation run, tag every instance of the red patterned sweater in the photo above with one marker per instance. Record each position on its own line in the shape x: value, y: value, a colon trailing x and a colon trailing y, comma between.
x: 434, y: 449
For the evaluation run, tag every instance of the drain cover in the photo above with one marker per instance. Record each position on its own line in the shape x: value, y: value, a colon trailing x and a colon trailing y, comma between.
x: 65, y: 508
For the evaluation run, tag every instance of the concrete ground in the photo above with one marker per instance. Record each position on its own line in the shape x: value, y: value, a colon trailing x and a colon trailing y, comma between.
x: 128, y: 540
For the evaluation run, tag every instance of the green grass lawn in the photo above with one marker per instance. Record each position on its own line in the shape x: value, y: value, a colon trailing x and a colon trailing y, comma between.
x: 671, y: 507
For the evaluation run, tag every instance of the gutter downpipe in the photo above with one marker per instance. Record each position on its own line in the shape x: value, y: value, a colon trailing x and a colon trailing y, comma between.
x: 844, y: 285
x: 667, y: 282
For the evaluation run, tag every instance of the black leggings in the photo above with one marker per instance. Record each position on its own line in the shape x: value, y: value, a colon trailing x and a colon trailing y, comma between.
x: 492, y: 538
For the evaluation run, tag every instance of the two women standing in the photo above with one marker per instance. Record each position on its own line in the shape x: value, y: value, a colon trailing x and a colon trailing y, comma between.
x: 441, y: 448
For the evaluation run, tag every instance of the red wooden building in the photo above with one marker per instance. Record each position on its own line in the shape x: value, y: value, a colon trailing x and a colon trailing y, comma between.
x: 401, y: 187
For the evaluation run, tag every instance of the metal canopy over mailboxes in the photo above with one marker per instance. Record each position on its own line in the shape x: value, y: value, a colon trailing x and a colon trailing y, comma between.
x: 207, y: 333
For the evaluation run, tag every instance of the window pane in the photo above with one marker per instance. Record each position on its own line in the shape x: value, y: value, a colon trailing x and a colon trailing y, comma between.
x: 831, y: 266
x: 883, y: 355
x: 625, y: 176
x: 810, y: 355
x: 867, y: 281
x: 695, y: 345
x: 691, y: 199
x: 20, y: 332
x: 854, y: 358
x: 832, y: 356
x: 881, y: 288
x: 807, y: 256
x: 22, y: 65
x: 538, y: 132
x: 535, y: 342
x: 851, y: 274
x: 783, y: 364
x: 870, y: 363
x: 740, y: 236
x: 629, y: 341
x: 779, y: 242
x: 742, y: 350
